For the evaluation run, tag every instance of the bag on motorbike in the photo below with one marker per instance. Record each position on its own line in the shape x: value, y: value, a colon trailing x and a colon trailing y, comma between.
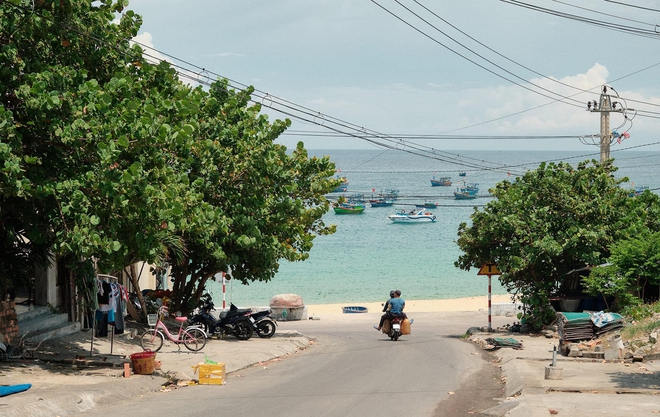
x: 386, y: 326
x: 405, y: 326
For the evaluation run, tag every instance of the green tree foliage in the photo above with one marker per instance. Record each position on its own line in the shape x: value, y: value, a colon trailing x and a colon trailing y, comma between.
x: 104, y: 156
x: 548, y: 222
x: 634, y: 262
x: 265, y: 204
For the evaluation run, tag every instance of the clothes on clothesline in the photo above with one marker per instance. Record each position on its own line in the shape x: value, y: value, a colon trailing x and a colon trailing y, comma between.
x: 111, y: 298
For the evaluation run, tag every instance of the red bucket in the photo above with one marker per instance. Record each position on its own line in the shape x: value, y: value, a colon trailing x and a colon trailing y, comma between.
x: 143, y: 362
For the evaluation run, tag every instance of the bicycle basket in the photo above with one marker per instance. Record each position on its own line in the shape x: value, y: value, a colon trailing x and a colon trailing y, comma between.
x: 152, y: 319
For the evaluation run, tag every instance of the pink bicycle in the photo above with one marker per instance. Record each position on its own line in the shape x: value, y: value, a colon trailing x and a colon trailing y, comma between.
x: 192, y: 337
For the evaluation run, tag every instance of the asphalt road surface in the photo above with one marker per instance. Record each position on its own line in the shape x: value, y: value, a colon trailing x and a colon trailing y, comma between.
x: 350, y: 369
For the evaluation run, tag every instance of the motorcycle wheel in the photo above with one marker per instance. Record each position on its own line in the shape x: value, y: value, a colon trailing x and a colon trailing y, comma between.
x: 265, y: 328
x: 394, y: 336
x: 243, y: 330
x: 194, y: 339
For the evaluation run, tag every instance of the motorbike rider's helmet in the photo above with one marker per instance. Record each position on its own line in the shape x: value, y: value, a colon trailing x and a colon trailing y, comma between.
x: 392, y: 294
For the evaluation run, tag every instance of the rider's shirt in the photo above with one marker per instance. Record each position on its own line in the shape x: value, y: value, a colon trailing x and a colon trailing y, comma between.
x: 396, y: 305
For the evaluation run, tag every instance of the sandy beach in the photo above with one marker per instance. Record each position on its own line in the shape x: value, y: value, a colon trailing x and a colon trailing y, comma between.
x: 417, y: 306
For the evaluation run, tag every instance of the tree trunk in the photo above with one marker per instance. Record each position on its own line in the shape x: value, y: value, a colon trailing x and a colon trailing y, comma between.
x: 138, y: 291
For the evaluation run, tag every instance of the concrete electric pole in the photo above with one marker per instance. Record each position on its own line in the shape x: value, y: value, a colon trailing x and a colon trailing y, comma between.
x: 604, y: 107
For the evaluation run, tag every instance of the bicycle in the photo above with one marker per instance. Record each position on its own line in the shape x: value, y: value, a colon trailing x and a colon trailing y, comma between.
x: 193, y: 338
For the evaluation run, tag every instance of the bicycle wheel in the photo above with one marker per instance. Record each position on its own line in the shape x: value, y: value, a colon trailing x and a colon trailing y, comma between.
x: 152, y: 340
x: 194, y: 339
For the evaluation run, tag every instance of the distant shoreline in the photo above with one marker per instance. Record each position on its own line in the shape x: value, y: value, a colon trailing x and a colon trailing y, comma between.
x: 417, y: 306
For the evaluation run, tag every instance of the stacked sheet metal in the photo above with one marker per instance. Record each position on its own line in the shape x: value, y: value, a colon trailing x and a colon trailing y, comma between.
x: 606, y: 322
x: 586, y: 326
x: 575, y: 326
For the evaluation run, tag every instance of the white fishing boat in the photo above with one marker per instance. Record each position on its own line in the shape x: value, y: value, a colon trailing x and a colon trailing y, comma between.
x: 417, y: 215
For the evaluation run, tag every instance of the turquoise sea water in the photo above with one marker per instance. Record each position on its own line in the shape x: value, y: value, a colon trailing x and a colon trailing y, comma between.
x: 368, y: 255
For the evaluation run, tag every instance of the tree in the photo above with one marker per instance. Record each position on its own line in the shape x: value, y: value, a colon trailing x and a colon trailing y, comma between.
x: 110, y: 159
x: 634, y: 262
x: 93, y: 136
x: 548, y: 222
x: 266, y: 203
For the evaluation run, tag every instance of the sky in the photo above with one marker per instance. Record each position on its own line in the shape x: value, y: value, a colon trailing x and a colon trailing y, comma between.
x: 449, y: 75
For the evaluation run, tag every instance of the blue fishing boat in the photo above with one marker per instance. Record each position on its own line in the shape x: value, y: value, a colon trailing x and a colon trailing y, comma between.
x: 354, y: 309
x: 380, y: 202
x: 427, y: 204
x: 462, y: 174
x: 343, y: 187
x: 464, y: 195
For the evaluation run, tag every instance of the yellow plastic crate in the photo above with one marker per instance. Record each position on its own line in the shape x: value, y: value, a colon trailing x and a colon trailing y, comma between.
x: 211, y: 374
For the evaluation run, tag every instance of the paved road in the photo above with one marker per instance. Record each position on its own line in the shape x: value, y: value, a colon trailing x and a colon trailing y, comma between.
x: 349, y: 369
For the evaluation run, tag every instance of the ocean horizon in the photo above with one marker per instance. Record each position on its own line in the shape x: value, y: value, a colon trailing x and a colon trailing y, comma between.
x: 369, y: 255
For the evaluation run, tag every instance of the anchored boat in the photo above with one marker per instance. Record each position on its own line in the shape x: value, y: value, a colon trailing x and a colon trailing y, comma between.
x: 415, y: 216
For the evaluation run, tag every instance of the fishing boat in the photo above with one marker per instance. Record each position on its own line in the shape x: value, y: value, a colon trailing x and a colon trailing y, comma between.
x: 464, y: 195
x: 380, y: 202
x: 462, y: 174
x: 639, y: 190
x: 348, y: 208
x: 354, y: 309
x: 441, y: 182
x: 427, y: 204
x: 343, y: 187
x: 470, y: 187
x: 414, y: 216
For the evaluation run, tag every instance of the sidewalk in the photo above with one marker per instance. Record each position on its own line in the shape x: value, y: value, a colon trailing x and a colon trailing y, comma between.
x: 66, y: 380
x: 591, y: 387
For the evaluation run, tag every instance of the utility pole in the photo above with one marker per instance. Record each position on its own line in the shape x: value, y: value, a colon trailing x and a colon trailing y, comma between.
x: 604, y: 107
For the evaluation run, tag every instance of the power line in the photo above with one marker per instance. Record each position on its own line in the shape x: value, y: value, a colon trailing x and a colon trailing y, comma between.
x: 607, y: 25
x: 471, y: 60
x: 632, y: 5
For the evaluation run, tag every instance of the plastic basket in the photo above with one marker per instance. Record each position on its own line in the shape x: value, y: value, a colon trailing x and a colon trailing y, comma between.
x: 152, y: 319
x: 143, y: 362
x: 211, y: 374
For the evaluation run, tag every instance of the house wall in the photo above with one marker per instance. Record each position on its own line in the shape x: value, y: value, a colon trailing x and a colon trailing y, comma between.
x: 9, y: 333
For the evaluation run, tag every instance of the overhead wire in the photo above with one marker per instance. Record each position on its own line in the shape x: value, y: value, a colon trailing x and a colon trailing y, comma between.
x: 471, y: 60
x: 308, y: 115
x: 651, y: 34
x: 632, y: 5
x: 603, y: 13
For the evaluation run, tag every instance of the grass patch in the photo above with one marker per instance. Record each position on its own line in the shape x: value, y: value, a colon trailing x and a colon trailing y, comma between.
x: 639, y: 329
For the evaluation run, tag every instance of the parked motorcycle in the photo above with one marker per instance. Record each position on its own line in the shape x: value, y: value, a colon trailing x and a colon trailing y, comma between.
x: 236, y: 322
x: 263, y: 323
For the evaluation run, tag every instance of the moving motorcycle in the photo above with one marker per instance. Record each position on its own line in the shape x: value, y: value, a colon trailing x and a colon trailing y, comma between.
x: 236, y: 322
x: 396, y: 327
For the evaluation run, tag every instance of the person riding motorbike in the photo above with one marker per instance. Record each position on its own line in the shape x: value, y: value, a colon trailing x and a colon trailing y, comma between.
x: 386, y: 306
x: 394, y: 309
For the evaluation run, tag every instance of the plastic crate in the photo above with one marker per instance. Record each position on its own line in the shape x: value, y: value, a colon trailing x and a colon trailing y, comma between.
x: 211, y: 374
x: 152, y: 319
